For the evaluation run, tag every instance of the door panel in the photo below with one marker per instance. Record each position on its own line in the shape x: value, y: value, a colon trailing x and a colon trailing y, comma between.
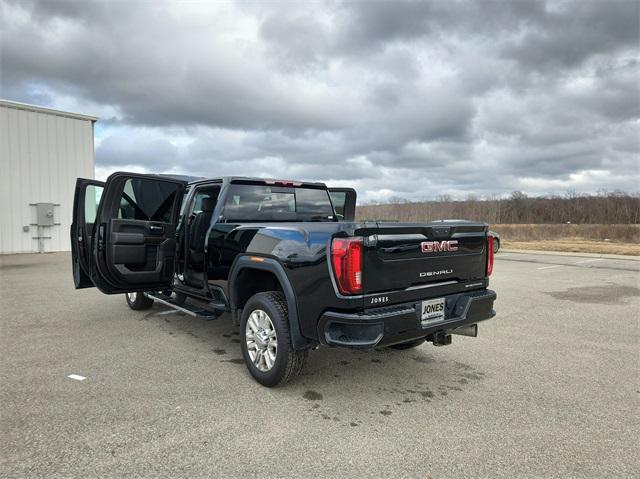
x: 344, y: 203
x: 142, y: 257
x: 85, y: 206
x: 136, y: 246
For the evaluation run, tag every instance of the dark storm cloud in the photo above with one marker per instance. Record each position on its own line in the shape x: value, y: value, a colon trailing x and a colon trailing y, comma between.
x: 412, y: 99
x: 134, y: 58
x: 572, y: 32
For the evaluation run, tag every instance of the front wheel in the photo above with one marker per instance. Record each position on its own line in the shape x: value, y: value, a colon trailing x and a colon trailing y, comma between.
x: 267, y: 349
x: 138, y: 301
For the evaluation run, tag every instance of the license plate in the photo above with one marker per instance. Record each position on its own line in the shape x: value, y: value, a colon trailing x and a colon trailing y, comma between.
x: 432, y: 311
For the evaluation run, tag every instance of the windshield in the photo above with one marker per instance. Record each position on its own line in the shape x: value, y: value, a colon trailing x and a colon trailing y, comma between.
x: 275, y: 203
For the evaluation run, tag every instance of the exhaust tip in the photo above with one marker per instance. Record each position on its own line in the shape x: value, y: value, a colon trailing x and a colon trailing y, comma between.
x: 471, y: 331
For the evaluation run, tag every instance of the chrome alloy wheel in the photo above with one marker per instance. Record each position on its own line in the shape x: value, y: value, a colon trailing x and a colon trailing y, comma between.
x: 262, y: 342
x: 132, y: 297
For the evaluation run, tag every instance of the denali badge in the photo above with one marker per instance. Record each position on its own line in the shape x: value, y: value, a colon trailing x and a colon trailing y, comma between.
x: 435, y: 246
x: 428, y: 274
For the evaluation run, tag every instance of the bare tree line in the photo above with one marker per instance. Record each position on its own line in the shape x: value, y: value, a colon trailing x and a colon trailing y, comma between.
x: 518, y: 208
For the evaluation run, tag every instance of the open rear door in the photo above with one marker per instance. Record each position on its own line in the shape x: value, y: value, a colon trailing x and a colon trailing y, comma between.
x: 85, y: 207
x: 344, y: 203
x: 135, y: 246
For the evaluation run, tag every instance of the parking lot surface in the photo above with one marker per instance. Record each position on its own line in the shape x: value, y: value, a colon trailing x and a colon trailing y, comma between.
x: 550, y: 388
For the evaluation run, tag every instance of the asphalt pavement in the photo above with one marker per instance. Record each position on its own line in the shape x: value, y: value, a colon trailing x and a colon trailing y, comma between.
x: 550, y: 388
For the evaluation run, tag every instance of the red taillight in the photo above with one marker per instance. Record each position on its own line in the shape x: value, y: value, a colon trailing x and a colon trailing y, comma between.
x: 489, y: 255
x: 346, y: 258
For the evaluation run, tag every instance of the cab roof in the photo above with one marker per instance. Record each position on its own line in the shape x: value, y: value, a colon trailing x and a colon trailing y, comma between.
x: 248, y: 179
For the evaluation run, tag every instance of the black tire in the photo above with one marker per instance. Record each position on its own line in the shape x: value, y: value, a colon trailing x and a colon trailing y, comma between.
x: 138, y: 301
x: 288, y: 362
x: 496, y: 245
x: 408, y: 345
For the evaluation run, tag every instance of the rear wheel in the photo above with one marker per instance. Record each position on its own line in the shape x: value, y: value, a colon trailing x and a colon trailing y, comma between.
x: 408, y: 345
x: 267, y: 348
x: 138, y: 301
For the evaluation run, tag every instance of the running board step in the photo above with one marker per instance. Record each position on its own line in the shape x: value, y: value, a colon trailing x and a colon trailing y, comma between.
x: 186, y: 308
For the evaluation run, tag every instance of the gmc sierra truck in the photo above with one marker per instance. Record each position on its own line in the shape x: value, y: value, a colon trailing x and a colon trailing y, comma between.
x: 288, y: 261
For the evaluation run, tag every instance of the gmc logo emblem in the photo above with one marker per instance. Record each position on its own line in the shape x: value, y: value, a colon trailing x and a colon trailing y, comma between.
x: 436, y: 246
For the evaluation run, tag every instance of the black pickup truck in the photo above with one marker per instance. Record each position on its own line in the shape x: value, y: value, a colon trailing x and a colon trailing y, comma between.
x: 286, y: 259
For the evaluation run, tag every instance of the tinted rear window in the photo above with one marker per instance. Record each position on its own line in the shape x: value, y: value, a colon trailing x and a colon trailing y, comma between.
x: 275, y: 203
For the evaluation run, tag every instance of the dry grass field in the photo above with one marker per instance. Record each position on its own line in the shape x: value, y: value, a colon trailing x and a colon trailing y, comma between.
x: 603, y: 223
x: 611, y: 208
x: 567, y: 232
x: 605, y: 239
x: 577, y: 238
x: 575, y: 246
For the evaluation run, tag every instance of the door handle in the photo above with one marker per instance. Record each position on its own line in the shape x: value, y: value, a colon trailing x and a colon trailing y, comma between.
x: 101, y: 236
x: 156, y: 229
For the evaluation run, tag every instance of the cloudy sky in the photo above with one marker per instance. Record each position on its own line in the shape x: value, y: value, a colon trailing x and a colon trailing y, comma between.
x: 398, y: 99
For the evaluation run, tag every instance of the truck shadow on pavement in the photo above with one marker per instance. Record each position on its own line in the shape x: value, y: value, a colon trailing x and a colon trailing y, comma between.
x: 335, y: 381
x: 398, y: 379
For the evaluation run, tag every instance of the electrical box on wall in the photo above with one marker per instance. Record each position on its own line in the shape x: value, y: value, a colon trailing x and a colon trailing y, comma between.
x: 45, y: 217
x: 44, y: 214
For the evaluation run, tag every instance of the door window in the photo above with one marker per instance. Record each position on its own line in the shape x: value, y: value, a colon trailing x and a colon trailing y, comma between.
x: 92, y: 195
x: 148, y: 200
x: 344, y: 203
x: 205, y: 199
x: 338, y: 198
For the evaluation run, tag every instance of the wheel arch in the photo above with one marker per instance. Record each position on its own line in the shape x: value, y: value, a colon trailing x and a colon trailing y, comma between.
x: 248, y: 277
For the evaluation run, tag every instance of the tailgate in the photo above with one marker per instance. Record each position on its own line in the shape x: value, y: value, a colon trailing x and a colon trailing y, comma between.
x: 402, y: 255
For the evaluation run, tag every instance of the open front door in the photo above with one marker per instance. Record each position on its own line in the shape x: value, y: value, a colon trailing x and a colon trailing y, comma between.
x: 344, y: 203
x: 85, y: 207
x: 135, y: 246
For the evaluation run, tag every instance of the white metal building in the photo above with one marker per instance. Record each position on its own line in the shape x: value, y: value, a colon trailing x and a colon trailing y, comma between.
x: 42, y: 152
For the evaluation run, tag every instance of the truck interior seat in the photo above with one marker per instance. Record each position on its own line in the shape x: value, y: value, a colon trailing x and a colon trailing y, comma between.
x: 198, y: 232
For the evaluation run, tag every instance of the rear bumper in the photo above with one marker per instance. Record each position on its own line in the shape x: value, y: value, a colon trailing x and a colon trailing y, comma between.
x: 389, y: 325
